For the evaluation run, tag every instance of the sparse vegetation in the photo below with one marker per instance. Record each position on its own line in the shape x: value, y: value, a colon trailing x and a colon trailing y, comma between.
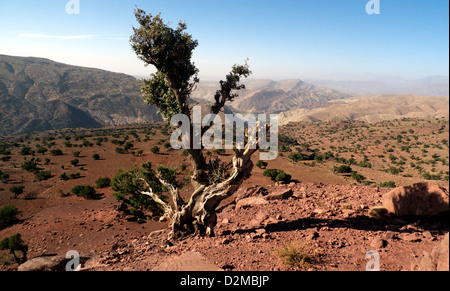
x: 103, y: 182
x: 298, y: 255
x: 86, y: 192
x: 17, y: 190
x: 155, y: 150
x: 8, y: 216
x: 15, y: 244
x: 43, y: 175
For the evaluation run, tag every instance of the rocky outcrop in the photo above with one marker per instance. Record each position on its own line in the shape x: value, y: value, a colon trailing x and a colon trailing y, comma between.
x: 48, y: 264
x: 438, y: 259
x: 422, y: 199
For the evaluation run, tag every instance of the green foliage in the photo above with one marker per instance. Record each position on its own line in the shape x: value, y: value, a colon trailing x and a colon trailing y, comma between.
x: 389, y: 184
x: 42, y: 150
x: 170, y: 51
x: 169, y: 175
x: 155, y: 150
x: 365, y: 164
x: 271, y: 173
x: 30, y: 166
x: 56, y: 152
x: 428, y: 176
x: 277, y: 175
x: 96, y: 157
x: 8, y: 216
x: 4, y: 177
x: 287, y: 140
x: 17, y: 190
x: 358, y: 177
x: 103, y: 182
x: 295, y: 157
x: 75, y: 162
x: 128, y: 186
x: 4, y: 151
x: 26, y: 151
x: 13, y: 244
x: 156, y: 92
x: 5, y: 158
x: 283, y: 177
x: 342, y: 169
x: 65, y: 177
x: 86, y: 192
x: 43, y: 175
x: 261, y: 164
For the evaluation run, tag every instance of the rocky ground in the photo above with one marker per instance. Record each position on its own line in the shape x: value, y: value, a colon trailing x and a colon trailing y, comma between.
x: 330, y: 222
x: 325, y: 212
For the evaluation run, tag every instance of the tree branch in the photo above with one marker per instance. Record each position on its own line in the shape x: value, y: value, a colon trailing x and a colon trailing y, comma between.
x: 168, y: 210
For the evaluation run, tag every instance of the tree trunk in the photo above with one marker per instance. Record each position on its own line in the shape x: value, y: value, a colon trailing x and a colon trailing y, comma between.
x: 198, y: 216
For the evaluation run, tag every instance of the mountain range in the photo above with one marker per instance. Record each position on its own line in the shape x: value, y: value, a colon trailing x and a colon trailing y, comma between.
x: 372, y: 109
x: 38, y: 94
x: 268, y: 96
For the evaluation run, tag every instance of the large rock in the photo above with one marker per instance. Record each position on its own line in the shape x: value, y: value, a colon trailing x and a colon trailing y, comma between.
x: 438, y: 259
x: 422, y: 199
x: 45, y: 264
x: 280, y: 194
x: 189, y: 262
x: 249, y: 202
x: 243, y: 193
x: 52, y: 263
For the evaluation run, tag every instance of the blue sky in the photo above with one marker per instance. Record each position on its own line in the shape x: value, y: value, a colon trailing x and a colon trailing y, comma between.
x: 283, y: 39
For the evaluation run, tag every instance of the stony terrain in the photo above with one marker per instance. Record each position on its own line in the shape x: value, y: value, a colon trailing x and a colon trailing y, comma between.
x: 325, y: 212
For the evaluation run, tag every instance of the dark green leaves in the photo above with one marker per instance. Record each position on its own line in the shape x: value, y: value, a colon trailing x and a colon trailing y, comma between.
x: 169, y: 50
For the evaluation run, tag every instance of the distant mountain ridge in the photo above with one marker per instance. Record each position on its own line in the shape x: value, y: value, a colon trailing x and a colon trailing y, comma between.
x: 268, y: 96
x: 368, y: 84
x: 38, y: 94
x: 372, y: 109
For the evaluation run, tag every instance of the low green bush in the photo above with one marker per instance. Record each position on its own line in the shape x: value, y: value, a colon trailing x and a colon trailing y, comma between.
x: 8, y: 216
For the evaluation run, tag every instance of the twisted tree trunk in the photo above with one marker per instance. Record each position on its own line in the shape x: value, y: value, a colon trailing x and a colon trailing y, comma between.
x: 198, y: 216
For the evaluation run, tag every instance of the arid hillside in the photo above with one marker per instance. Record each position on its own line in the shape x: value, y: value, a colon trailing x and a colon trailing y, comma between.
x: 39, y: 94
x: 373, y: 109
x: 354, y: 162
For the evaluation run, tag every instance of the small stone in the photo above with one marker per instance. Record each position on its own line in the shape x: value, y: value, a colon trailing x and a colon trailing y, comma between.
x: 378, y: 243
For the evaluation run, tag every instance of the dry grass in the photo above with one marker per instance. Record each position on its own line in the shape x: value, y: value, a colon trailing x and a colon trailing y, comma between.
x: 298, y: 254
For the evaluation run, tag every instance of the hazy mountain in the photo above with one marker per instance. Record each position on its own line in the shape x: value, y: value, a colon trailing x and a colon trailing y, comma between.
x: 373, y: 108
x: 267, y: 96
x: 372, y: 84
x: 39, y: 94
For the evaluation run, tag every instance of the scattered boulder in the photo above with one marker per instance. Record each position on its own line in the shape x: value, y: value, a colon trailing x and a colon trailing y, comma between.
x: 243, y: 193
x: 251, y: 201
x: 189, y: 262
x: 280, y: 194
x: 47, y: 264
x: 438, y: 259
x: 422, y: 199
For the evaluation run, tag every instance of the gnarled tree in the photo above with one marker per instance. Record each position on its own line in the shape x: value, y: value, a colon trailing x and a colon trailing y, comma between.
x: 170, y: 52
